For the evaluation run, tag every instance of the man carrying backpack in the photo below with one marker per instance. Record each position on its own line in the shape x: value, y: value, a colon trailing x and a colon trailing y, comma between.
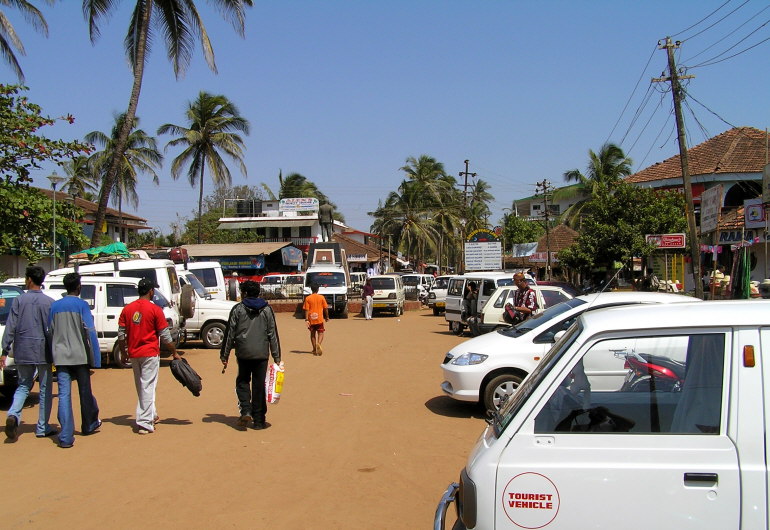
x: 252, y: 330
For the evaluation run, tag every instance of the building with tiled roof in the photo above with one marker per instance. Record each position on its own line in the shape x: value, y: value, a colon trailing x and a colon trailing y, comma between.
x: 734, y: 159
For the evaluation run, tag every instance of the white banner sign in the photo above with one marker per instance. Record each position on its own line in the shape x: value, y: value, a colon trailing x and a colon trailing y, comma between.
x: 710, y: 207
x: 483, y: 256
x: 754, y: 213
x: 298, y: 204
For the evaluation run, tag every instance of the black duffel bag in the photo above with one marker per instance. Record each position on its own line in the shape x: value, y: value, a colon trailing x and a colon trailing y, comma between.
x: 185, y: 374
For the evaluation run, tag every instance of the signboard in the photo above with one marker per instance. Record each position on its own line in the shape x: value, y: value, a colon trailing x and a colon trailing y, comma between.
x: 754, y: 213
x: 298, y: 204
x: 483, y: 256
x: 542, y: 257
x: 242, y: 262
x: 482, y: 235
x: 766, y: 184
x: 710, y: 208
x: 666, y: 241
x: 291, y: 256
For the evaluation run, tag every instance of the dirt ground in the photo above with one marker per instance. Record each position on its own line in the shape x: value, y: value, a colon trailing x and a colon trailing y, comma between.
x: 361, y: 438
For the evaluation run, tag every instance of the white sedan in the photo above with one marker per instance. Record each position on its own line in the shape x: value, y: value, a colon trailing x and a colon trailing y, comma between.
x: 491, y: 366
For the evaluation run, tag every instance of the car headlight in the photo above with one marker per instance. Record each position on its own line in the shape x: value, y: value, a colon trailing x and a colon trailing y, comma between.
x: 470, y: 358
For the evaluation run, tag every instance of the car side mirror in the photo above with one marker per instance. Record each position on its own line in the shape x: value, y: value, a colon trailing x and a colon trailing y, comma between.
x: 559, y: 334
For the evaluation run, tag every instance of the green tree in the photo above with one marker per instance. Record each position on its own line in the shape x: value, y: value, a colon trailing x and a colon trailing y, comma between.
x: 27, y: 222
x: 179, y: 24
x: 81, y: 180
x: 22, y: 147
x: 216, y: 206
x: 141, y: 156
x: 615, y: 226
x: 10, y: 41
x: 518, y: 230
x: 213, y: 126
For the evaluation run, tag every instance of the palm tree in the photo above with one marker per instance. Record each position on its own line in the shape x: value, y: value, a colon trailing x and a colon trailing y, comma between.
x: 429, y: 175
x: 605, y: 170
x: 81, y: 180
x: 212, y: 122
x: 141, y: 155
x: 178, y: 23
x: 9, y: 40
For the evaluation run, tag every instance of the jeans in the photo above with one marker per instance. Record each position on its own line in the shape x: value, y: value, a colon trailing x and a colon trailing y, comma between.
x: 26, y: 381
x: 145, y: 379
x: 89, y: 410
x: 250, y: 388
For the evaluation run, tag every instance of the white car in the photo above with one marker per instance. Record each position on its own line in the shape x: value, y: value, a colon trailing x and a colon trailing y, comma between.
x: 437, y: 294
x: 211, y: 315
x: 489, y: 367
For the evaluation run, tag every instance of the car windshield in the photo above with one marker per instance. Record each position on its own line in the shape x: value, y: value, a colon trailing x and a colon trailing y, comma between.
x: 7, y: 294
x: 195, y: 283
x: 271, y: 279
x: 294, y: 280
x: 326, y: 279
x: 441, y: 283
x: 502, y: 282
x: 535, y: 321
x: 383, y: 283
x: 158, y: 299
x: 410, y: 280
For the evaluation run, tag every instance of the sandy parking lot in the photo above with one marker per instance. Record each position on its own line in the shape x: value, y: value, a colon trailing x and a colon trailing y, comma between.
x: 362, y: 438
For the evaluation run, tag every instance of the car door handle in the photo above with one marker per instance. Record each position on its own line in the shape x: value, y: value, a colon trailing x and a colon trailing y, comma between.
x: 110, y: 317
x: 701, y: 479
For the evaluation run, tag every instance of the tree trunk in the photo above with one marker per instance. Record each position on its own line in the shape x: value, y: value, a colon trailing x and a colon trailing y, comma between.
x: 200, y: 200
x: 125, y: 130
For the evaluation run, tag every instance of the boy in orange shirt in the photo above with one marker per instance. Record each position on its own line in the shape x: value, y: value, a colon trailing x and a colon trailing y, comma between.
x: 316, y: 312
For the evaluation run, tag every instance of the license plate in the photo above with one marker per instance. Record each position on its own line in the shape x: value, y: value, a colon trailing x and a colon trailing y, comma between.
x: 379, y: 305
x: 440, y: 304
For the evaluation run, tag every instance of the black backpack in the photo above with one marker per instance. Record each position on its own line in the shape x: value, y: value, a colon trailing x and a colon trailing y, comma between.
x: 185, y: 374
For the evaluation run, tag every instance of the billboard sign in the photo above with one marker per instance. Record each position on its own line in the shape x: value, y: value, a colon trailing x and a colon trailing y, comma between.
x: 666, y: 241
x: 710, y: 208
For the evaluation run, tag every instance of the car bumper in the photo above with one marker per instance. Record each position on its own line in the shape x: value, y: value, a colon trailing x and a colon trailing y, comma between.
x: 380, y: 304
x: 462, y: 382
x: 437, y: 305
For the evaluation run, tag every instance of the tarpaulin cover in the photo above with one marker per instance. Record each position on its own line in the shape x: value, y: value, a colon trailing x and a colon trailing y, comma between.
x: 114, y: 249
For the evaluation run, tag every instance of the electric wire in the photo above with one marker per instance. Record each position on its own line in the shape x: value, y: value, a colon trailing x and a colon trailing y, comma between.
x: 715, y: 23
x: 690, y: 96
x: 663, y: 128
x: 712, y: 60
x: 730, y: 34
x: 644, y: 70
x: 639, y: 110
x: 702, y: 20
x: 652, y: 115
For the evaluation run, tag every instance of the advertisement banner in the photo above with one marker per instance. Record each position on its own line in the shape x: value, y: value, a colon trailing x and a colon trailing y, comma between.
x: 483, y: 256
x: 710, y: 208
x: 298, y: 204
x: 665, y: 241
x: 291, y: 256
x: 754, y: 213
x: 242, y: 262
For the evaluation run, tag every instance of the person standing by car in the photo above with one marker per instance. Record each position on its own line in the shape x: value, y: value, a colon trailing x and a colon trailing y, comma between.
x: 316, y: 313
x: 252, y: 330
x: 524, y: 299
x: 140, y: 325
x: 75, y: 349
x: 367, y: 292
x: 26, y: 330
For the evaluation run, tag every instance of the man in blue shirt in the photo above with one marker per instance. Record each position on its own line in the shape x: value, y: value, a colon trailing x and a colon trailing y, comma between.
x: 75, y: 349
x: 26, y: 331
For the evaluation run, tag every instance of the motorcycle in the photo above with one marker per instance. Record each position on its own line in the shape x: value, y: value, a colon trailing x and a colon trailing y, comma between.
x: 651, y: 373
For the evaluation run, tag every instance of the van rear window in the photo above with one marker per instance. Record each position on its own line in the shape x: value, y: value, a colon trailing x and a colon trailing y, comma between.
x: 208, y: 277
x: 383, y: 283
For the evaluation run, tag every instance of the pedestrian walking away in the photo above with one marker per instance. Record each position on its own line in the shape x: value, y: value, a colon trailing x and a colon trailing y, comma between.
x: 316, y: 313
x: 26, y: 331
x: 140, y: 325
x: 252, y: 331
x: 75, y: 350
x: 367, y: 292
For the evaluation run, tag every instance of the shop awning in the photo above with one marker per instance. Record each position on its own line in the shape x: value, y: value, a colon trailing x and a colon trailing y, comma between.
x: 233, y: 223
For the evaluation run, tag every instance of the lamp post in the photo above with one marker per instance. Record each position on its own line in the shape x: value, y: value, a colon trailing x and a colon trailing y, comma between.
x: 55, y: 180
x: 505, y: 222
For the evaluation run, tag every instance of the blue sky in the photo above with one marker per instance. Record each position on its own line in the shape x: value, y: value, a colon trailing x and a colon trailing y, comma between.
x: 344, y: 91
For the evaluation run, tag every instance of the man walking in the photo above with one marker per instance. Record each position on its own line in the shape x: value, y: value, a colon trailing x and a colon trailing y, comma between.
x: 367, y: 294
x: 140, y: 325
x: 252, y: 330
x: 75, y: 349
x: 316, y: 313
x: 26, y: 330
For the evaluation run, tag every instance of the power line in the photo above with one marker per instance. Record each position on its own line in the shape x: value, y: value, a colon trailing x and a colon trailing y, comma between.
x: 644, y: 70
x: 652, y: 115
x: 717, y: 22
x: 639, y: 111
x: 729, y: 34
x: 703, y: 19
x: 709, y: 62
x: 665, y: 123
x: 690, y: 96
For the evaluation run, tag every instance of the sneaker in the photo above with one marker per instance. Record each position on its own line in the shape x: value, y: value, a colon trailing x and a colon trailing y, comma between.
x: 142, y: 430
x: 11, y: 427
x: 319, y: 350
x: 95, y: 430
x: 52, y: 432
x: 244, y: 420
x: 261, y: 425
x: 65, y: 446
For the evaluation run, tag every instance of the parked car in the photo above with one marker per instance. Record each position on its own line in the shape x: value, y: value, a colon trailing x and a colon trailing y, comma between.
x: 486, y: 283
x: 437, y: 294
x: 416, y: 286
x: 691, y: 458
x: 107, y: 296
x: 489, y: 367
x: 388, y: 294
x: 490, y: 317
x: 357, y: 280
x: 9, y: 377
x: 211, y: 316
x: 210, y: 275
x: 272, y: 284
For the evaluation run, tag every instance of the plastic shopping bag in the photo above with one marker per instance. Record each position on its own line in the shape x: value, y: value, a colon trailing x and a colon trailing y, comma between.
x: 274, y: 382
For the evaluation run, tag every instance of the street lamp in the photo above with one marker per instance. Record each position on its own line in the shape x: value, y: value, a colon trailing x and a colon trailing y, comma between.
x: 55, y: 180
x: 505, y: 222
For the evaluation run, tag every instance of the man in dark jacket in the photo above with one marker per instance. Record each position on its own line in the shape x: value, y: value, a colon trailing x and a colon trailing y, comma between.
x: 252, y: 330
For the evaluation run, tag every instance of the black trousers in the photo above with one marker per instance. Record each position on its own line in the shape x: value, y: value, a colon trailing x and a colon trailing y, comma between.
x: 250, y: 388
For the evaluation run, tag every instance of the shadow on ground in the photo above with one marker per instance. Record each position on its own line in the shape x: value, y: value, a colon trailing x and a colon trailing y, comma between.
x: 451, y: 408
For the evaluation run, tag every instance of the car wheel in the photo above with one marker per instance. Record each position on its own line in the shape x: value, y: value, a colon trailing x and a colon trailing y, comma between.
x: 498, y: 388
x: 456, y: 327
x: 187, y: 302
x: 436, y: 311
x: 232, y: 290
x: 213, y: 334
x: 116, y: 358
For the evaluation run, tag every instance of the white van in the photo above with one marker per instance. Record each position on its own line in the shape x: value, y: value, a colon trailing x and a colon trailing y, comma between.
x: 437, y: 294
x: 107, y: 296
x: 211, y: 316
x: 416, y: 286
x: 160, y: 271
x: 388, y: 294
x: 210, y: 275
x: 576, y: 448
x: 486, y: 283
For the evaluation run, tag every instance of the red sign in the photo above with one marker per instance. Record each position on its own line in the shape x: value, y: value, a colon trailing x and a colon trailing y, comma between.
x: 666, y: 240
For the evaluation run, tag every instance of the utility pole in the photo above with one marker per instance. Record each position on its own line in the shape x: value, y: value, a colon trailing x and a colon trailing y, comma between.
x: 676, y: 90
x: 546, y: 188
x: 464, y: 174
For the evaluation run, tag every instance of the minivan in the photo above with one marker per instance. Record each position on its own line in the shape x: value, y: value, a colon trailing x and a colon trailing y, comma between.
x: 210, y: 275
x: 486, y: 283
x: 577, y: 447
x: 388, y: 293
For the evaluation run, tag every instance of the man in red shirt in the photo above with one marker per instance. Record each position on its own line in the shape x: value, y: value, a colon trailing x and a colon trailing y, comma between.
x: 316, y: 312
x: 140, y: 326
